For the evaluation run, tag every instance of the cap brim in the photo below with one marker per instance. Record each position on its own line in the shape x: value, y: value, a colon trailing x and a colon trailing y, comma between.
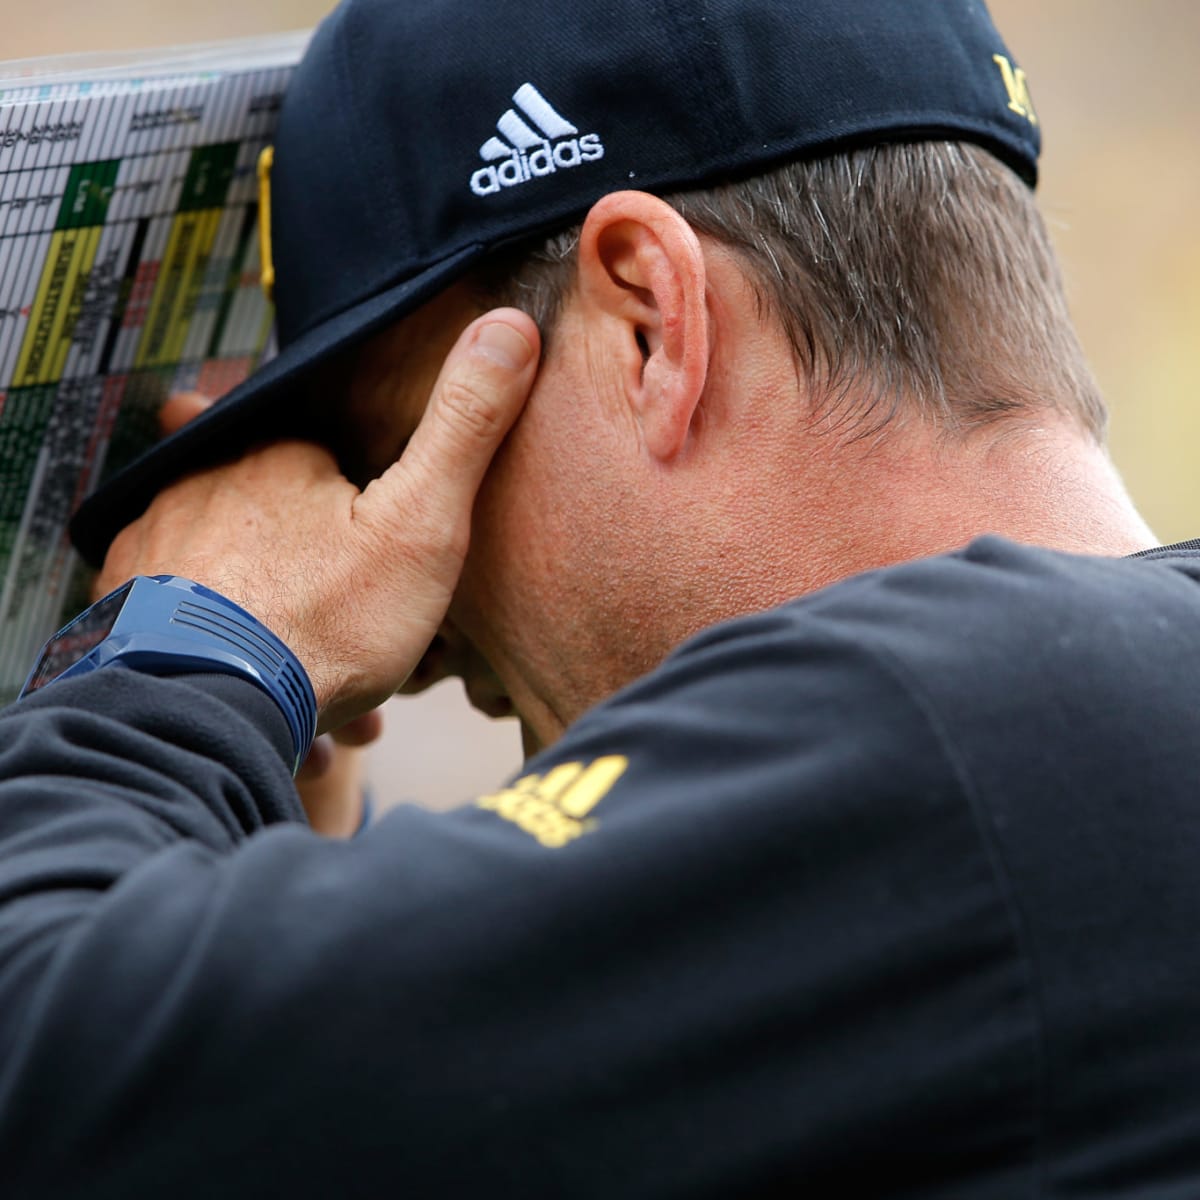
x: 253, y: 412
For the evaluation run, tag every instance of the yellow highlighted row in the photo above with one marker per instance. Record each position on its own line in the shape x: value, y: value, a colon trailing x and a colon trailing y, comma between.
x: 180, y: 279
x: 47, y: 343
x: 69, y: 263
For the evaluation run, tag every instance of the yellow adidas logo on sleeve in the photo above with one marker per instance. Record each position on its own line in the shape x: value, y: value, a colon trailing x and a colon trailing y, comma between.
x: 554, y: 808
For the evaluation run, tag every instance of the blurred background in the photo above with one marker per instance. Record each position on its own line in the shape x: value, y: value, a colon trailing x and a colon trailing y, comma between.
x: 1117, y: 90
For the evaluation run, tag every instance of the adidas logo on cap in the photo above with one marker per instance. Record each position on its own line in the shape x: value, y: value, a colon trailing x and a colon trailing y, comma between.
x: 540, y: 141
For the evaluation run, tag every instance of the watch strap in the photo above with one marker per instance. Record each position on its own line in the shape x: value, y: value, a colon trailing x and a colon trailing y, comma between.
x: 168, y: 625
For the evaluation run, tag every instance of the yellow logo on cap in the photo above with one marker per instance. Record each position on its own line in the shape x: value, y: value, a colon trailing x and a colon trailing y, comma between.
x: 266, y: 160
x: 1017, y: 88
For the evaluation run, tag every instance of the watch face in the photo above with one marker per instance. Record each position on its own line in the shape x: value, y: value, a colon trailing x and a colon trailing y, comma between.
x: 74, y: 641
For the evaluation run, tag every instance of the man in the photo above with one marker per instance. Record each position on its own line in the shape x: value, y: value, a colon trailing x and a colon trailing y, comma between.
x: 860, y: 856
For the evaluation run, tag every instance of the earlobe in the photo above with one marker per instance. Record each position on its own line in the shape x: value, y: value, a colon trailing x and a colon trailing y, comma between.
x: 643, y: 278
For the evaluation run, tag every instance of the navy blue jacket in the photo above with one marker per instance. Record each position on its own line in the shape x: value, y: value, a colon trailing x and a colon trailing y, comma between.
x: 893, y: 891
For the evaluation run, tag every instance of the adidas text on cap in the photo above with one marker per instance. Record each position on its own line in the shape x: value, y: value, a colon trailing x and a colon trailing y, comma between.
x: 416, y: 138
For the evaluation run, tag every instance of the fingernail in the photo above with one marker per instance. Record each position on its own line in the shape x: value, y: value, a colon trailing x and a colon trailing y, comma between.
x: 503, y: 345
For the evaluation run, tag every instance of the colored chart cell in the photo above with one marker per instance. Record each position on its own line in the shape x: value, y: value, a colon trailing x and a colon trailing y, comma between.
x: 128, y: 269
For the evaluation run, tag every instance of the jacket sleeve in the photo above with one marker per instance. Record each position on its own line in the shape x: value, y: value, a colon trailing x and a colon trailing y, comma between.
x: 695, y: 950
x: 121, y: 798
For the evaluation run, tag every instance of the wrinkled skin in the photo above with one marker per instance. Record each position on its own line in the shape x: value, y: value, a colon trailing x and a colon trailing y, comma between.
x: 359, y: 581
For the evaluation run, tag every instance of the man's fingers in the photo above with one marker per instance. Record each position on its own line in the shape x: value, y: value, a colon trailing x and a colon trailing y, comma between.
x: 318, y: 761
x: 355, y: 733
x: 361, y: 730
x: 179, y: 409
x: 482, y: 386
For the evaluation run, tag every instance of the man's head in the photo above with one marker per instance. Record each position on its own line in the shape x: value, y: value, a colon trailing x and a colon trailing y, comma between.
x: 417, y: 140
x: 746, y: 392
x: 752, y: 378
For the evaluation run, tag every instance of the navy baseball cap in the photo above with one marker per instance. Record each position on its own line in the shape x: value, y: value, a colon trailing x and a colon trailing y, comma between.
x: 415, y: 138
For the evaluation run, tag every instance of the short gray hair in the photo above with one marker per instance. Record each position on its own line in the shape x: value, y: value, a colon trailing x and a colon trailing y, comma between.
x: 908, y: 273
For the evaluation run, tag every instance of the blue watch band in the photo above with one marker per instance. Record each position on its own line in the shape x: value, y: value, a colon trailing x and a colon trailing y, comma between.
x: 165, y: 625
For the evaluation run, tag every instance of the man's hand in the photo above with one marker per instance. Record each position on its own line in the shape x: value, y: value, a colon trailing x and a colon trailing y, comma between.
x: 331, y: 781
x: 356, y: 583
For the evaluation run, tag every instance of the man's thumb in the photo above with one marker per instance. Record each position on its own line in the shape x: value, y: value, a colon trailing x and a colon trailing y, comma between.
x: 482, y: 387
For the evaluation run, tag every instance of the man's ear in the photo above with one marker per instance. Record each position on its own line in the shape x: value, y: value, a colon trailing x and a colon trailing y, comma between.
x: 642, y: 278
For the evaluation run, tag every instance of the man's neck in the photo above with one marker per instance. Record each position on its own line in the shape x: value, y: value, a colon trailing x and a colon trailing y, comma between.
x: 818, y: 508
x: 1046, y: 484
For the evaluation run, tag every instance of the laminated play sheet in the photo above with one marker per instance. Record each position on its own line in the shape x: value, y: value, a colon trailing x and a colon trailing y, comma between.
x: 129, y: 269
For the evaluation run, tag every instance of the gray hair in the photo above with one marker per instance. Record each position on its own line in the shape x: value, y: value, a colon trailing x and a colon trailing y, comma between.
x: 902, y: 274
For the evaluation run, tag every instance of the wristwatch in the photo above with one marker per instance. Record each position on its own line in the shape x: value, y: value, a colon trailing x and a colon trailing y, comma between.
x: 166, y: 625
